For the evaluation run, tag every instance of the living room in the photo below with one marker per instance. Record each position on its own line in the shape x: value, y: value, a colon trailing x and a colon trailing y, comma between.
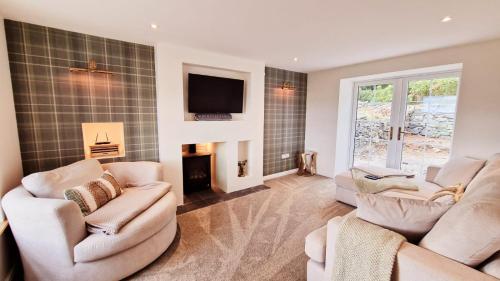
x: 249, y: 140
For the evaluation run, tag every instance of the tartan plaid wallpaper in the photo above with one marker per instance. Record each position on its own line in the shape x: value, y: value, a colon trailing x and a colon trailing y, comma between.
x: 51, y: 102
x: 284, y: 119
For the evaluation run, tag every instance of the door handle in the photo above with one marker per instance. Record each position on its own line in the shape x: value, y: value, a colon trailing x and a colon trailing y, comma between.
x: 401, y: 133
x: 391, y: 130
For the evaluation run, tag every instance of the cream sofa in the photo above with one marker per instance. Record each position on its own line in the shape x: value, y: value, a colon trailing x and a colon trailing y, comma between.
x: 345, y: 188
x: 54, y: 243
x: 413, y: 262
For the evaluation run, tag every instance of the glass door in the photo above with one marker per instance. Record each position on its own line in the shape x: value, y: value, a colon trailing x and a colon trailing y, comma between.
x: 427, y: 121
x: 405, y: 123
x: 374, y: 120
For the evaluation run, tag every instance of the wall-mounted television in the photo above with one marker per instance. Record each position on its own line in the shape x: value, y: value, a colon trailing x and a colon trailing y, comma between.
x: 210, y: 94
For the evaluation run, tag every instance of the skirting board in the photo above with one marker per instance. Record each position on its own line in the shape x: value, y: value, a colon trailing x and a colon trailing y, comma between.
x: 280, y: 174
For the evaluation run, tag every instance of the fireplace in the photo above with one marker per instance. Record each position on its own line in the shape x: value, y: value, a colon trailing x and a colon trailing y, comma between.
x: 196, y: 171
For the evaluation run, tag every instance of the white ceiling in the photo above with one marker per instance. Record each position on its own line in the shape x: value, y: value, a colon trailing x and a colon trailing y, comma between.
x: 321, y: 33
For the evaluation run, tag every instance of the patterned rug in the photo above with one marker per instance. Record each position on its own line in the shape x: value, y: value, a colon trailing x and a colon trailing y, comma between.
x: 256, y: 237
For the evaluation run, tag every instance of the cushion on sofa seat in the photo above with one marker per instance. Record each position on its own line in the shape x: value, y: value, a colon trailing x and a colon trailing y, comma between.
x: 345, y: 180
x: 492, y: 266
x: 148, y: 223
x: 412, y: 218
x: 345, y: 195
x: 131, y: 174
x: 492, y: 161
x: 398, y: 194
x: 469, y: 231
x: 316, y: 244
x: 95, y: 193
x: 51, y: 184
x: 459, y: 170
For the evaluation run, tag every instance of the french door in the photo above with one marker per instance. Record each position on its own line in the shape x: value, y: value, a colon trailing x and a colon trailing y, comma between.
x: 404, y: 123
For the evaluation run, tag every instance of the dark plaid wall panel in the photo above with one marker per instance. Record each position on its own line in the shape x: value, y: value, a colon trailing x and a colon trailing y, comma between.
x: 52, y: 102
x: 284, y: 119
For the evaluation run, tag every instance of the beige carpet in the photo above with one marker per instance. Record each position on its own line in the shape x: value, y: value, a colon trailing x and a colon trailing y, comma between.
x: 256, y: 237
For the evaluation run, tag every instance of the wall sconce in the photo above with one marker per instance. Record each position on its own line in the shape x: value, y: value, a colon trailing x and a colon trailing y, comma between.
x: 287, y: 85
x: 91, y: 68
x: 286, y: 88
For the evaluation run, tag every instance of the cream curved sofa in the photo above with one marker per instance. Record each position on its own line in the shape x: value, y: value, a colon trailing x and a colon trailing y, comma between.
x: 54, y: 243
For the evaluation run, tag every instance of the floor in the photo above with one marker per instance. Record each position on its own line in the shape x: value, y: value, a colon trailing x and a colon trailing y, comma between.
x: 259, y: 236
x: 204, y: 198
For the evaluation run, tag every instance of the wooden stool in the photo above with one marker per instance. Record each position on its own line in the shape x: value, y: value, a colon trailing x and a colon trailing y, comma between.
x: 307, y: 164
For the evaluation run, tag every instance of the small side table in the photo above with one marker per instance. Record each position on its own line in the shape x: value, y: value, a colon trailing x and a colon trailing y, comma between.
x: 307, y: 164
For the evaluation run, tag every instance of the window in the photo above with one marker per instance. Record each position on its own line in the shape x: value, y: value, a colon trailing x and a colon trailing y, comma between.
x: 405, y: 123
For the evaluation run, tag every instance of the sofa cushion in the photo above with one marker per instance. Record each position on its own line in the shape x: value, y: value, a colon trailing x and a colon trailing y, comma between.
x: 131, y: 174
x: 345, y: 180
x: 95, y: 193
x: 469, y: 231
x: 458, y: 170
x: 316, y: 244
x: 492, y: 161
x: 148, y: 223
x: 492, y: 266
x: 412, y: 218
x: 51, y: 184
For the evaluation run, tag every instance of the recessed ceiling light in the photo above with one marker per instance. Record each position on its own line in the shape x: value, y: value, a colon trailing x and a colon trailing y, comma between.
x: 154, y: 26
x: 295, y: 59
x: 446, y: 19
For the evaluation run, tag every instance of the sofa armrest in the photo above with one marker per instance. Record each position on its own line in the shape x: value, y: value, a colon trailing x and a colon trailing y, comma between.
x: 332, y: 229
x: 46, y: 230
x: 432, y: 171
x: 417, y: 263
x: 135, y: 173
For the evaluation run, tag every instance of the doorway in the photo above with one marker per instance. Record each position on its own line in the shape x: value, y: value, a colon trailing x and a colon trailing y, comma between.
x: 404, y: 123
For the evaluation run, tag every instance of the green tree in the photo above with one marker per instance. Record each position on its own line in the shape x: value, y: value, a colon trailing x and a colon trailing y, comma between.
x: 419, y: 89
x: 376, y: 93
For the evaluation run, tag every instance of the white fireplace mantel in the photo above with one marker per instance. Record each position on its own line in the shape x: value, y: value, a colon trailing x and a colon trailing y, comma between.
x: 174, y: 129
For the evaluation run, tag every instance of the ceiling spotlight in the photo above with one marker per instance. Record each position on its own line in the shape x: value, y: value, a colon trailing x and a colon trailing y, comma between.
x: 154, y: 26
x: 295, y: 59
x: 446, y: 19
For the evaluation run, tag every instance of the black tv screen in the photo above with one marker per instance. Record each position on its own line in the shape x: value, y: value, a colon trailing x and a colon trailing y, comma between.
x: 209, y: 94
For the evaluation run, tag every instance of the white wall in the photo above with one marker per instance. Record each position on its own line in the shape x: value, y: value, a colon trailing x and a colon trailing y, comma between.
x: 10, y: 155
x: 173, y: 130
x: 478, y: 109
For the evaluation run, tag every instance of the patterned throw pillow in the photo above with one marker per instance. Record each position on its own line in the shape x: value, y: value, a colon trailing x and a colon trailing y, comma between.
x: 94, y: 194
